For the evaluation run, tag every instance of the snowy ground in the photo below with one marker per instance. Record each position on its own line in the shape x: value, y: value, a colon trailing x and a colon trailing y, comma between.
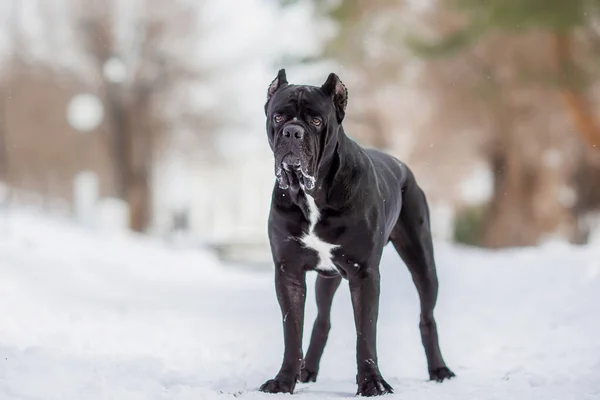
x: 88, y: 316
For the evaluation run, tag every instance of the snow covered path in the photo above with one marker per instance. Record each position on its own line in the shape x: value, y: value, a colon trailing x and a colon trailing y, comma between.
x: 88, y: 316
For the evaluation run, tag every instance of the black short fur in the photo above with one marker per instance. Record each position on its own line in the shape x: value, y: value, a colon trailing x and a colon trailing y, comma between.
x: 365, y: 199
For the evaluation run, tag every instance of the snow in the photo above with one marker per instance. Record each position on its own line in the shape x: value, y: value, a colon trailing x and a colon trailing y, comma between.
x: 93, y: 315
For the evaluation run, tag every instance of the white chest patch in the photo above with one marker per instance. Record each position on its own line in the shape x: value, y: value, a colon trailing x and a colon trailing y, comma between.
x: 312, y: 241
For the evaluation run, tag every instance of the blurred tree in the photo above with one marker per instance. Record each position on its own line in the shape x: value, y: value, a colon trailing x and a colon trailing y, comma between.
x: 133, y: 76
x: 14, y: 40
x: 25, y: 83
x: 3, y: 134
x: 519, y: 52
x: 560, y: 20
x: 489, y: 83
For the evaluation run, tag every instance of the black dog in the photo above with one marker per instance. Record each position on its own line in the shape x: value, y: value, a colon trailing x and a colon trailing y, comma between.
x: 335, y: 207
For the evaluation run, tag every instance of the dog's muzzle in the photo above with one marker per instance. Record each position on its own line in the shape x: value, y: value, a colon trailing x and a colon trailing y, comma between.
x: 291, y: 164
x: 292, y: 172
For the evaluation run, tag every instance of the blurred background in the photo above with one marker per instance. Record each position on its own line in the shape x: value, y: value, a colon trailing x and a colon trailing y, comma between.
x: 147, y: 115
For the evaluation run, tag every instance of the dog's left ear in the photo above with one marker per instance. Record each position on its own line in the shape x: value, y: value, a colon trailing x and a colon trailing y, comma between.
x: 334, y: 87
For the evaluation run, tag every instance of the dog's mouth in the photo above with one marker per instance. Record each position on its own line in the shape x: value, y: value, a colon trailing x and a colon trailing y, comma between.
x: 292, y: 172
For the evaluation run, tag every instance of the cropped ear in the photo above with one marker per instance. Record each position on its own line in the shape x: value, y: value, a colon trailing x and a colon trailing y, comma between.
x: 334, y: 87
x: 277, y: 83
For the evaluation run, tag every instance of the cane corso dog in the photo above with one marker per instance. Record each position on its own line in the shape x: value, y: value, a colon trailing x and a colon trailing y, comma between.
x: 335, y: 205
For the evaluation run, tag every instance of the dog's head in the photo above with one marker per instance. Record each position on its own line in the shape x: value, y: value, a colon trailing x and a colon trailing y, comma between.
x: 302, y: 126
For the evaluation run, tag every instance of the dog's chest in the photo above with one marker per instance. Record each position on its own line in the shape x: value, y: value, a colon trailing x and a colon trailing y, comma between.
x: 312, y: 241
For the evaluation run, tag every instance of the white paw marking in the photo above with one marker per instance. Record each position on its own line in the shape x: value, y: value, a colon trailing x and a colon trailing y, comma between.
x: 312, y: 241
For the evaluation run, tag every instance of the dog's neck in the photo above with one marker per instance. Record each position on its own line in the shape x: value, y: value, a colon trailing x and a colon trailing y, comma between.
x: 338, y: 177
x: 336, y: 173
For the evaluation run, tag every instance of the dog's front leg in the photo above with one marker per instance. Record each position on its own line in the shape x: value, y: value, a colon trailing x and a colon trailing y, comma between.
x: 364, y: 289
x: 290, y: 285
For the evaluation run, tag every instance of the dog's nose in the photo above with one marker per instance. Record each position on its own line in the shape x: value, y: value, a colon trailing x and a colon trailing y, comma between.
x: 293, y: 131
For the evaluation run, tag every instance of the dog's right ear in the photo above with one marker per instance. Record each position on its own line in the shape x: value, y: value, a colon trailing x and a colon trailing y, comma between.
x: 277, y: 83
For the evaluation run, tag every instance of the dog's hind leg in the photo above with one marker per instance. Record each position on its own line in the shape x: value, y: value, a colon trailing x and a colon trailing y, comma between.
x: 412, y: 239
x: 325, y: 289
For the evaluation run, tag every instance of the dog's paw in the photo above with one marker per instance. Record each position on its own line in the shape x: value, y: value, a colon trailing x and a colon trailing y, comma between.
x: 373, y: 386
x: 278, y: 386
x: 441, y: 374
x: 306, y: 375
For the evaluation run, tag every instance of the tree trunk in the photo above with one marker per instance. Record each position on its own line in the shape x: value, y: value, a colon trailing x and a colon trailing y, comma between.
x: 3, y: 136
x: 525, y: 205
x: 131, y: 141
x: 119, y: 137
x: 585, y: 182
x: 509, y: 218
x: 139, y: 148
x: 575, y: 101
x: 138, y: 197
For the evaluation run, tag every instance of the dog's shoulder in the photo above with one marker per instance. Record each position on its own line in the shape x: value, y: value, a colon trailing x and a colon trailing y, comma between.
x: 380, y: 155
x: 392, y: 174
x: 385, y: 161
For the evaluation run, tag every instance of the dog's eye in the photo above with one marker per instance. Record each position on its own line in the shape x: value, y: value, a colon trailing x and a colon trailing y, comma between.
x: 278, y: 118
x: 316, y: 121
